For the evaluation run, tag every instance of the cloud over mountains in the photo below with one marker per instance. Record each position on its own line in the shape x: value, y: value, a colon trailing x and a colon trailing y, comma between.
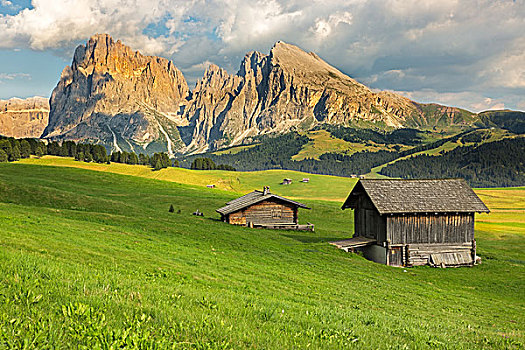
x: 467, y: 53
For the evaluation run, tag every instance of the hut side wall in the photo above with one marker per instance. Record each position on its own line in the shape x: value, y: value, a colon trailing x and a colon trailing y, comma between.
x: 367, y: 221
x: 269, y: 212
x: 431, y: 228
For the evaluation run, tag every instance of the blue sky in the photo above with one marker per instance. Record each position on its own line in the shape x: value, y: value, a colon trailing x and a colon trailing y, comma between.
x: 464, y: 53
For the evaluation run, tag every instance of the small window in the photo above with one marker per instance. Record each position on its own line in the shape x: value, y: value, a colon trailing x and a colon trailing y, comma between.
x: 277, y: 213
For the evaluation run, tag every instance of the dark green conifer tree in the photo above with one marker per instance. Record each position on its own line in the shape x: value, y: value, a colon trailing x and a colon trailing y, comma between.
x: 5, y: 145
x: 39, y: 152
x: 25, y: 149
x: 15, y: 155
x: 3, y: 156
x: 158, y: 164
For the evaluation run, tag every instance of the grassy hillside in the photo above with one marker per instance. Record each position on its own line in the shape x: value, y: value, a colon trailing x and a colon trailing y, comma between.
x: 320, y: 187
x: 234, y: 149
x: 321, y: 142
x: 474, y: 138
x: 344, y: 151
x: 95, y: 260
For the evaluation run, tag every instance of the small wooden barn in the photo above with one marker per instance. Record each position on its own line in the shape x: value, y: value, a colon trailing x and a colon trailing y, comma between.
x: 263, y: 209
x: 414, y: 222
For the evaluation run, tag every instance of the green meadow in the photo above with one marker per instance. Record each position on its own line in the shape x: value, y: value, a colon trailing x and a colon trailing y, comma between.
x: 323, y: 187
x: 91, y: 258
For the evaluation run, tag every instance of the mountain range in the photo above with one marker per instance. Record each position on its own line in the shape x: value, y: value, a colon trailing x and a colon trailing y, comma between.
x: 126, y: 101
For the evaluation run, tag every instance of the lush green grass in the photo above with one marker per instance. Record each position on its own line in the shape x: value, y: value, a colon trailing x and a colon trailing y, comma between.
x: 94, y: 259
x: 320, y: 186
x: 321, y: 141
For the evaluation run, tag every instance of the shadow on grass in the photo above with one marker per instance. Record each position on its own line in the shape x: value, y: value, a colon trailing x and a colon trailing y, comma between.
x: 311, y: 239
x: 214, y: 219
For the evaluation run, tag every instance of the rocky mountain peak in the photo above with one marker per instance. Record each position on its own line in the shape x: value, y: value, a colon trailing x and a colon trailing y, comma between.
x: 252, y: 63
x: 119, y: 97
x: 309, y: 68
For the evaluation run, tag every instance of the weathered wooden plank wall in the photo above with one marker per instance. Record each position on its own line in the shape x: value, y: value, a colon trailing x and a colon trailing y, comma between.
x: 237, y: 218
x: 419, y: 254
x: 431, y: 228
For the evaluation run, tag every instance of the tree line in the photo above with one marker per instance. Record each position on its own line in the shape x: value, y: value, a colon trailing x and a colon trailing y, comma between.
x: 500, y: 163
x: 405, y: 136
x: 12, y: 149
x: 208, y: 164
x: 157, y: 161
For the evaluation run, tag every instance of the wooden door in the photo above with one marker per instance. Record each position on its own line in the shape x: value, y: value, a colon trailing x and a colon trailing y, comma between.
x: 395, y: 256
x: 370, y: 224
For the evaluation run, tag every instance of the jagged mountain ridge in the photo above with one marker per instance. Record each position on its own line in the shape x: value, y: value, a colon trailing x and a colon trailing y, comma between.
x: 289, y: 88
x: 125, y: 100
x: 23, y: 117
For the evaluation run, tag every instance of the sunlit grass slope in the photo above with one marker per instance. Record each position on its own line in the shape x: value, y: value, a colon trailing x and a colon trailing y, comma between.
x: 95, y: 260
x: 321, y: 141
x: 320, y: 186
x: 507, y: 215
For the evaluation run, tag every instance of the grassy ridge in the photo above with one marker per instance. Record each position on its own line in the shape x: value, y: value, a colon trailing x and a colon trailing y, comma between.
x: 95, y: 259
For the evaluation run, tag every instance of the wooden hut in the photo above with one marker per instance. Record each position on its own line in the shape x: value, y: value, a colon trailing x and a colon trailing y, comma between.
x: 263, y: 209
x: 414, y: 222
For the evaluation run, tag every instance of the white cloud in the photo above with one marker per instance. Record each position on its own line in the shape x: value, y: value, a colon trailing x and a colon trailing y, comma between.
x: 13, y: 76
x: 55, y: 24
x: 462, y: 50
x: 472, y: 101
x: 324, y: 27
x: 251, y: 21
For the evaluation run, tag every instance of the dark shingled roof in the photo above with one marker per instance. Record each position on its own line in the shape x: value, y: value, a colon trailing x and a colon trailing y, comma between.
x: 253, y: 198
x: 417, y: 196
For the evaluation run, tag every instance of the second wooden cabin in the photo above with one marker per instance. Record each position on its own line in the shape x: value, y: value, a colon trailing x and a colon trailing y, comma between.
x: 414, y: 222
x: 263, y: 209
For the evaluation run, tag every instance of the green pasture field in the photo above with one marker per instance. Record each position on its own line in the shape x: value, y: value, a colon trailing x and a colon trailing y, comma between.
x: 93, y: 259
x: 323, y: 187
